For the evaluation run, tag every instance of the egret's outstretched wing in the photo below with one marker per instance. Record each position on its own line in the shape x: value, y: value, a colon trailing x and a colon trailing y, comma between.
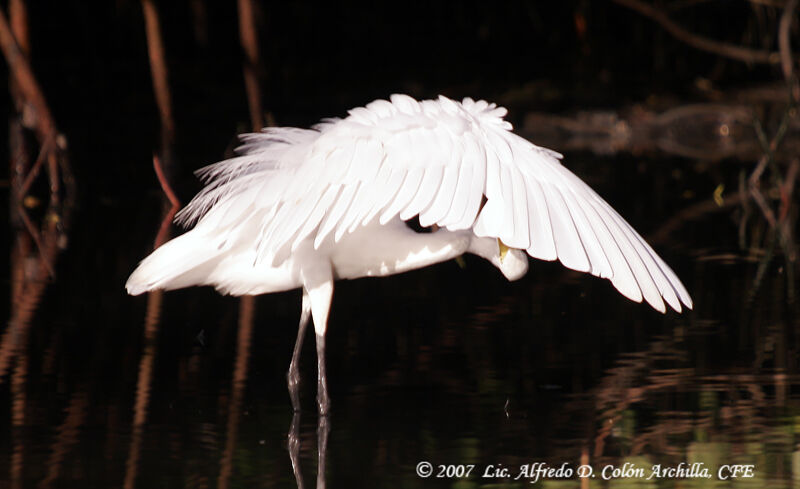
x: 437, y: 159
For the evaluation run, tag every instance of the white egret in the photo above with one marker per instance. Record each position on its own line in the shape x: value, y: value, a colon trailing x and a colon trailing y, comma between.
x: 300, y: 208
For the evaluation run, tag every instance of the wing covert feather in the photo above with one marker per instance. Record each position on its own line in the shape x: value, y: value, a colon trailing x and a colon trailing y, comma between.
x: 410, y: 187
x: 428, y: 189
x: 445, y: 196
x: 453, y: 164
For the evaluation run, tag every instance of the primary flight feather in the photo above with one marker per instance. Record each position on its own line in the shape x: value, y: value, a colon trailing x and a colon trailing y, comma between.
x: 302, y: 207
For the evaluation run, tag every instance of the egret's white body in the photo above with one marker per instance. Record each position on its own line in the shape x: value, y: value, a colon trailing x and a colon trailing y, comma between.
x: 300, y: 208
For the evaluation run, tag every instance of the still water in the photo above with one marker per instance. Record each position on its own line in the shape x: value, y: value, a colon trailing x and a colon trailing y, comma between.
x: 490, y: 383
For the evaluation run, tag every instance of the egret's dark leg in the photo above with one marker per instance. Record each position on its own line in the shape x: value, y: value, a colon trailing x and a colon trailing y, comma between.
x: 323, y: 401
x: 318, y: 281
x: 294, y: 373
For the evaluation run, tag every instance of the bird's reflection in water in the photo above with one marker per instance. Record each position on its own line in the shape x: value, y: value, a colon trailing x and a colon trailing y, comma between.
x: 323, y: 430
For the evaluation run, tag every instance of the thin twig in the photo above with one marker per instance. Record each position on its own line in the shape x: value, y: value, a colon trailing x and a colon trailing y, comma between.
x: 739, y: 53
x: 742, y: 195
x: 37, y: 166
x: 67, y: 178
x: 767, y: 158
x: 691, y: 213
x: 787, y: 238
x: 788, y: 188
x: 787, y: 64
x: 163, y: 231
x: 758, y: 197
x: 36, y: 239
x: 162, y: 179
x: 761, y: 271
x: 769, y: 3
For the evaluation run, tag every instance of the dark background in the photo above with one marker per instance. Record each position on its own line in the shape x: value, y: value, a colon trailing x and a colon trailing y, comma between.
x: 319, y: 59
x: 442, y: 364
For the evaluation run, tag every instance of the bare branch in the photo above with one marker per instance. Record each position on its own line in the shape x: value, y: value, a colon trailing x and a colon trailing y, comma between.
x: 702, y: 43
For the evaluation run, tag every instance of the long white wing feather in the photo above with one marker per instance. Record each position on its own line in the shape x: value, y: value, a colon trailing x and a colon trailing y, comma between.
x: 454, y: 164
x: 444, y: 196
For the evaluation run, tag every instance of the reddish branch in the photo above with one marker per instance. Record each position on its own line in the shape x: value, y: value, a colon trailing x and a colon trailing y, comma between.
x: 158, y: 71
x: 158, y: 67
x: 19, y: 24
x: 26, y: 82
x: 249, y: 40
x: 29, y: 282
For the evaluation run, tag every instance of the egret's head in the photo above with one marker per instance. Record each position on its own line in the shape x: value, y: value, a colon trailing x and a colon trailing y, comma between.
x: 512, y: 262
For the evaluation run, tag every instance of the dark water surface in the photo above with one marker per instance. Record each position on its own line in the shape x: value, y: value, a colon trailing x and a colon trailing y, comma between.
x: 446, y: 365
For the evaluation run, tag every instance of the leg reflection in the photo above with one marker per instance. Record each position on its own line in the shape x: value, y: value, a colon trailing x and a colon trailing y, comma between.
x: 294, y: 449
x: 323, y: 429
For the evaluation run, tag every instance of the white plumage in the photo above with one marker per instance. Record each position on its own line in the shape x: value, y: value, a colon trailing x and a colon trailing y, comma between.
x: 301, y: 207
